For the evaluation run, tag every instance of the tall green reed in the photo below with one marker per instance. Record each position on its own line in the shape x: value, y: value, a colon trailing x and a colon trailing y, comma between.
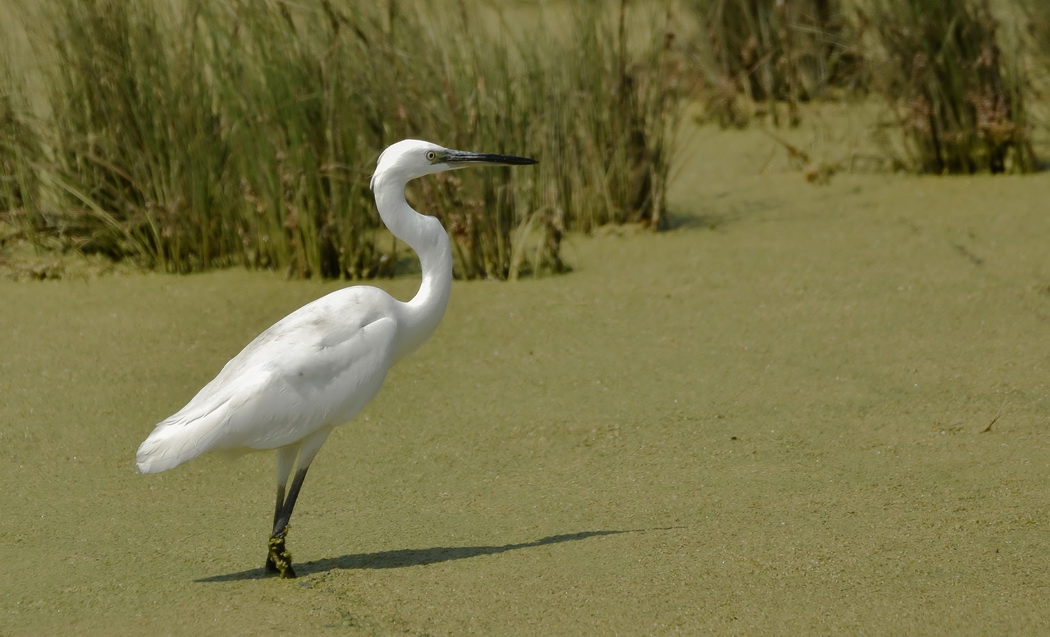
x: 773, y: 53
x: 137, y: 144
x: 960, y: 97
x: 608, y: 116
x: 19, y: 151
x: 288, y: 92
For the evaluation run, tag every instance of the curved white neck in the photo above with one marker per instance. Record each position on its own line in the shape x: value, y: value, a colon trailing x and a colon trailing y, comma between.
x: 426, y: 236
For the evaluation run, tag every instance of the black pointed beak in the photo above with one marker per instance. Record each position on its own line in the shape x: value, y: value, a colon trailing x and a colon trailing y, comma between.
x: 461, y: 159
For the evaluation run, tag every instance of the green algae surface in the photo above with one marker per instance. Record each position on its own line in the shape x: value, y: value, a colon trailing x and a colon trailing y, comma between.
x: 805, y: 410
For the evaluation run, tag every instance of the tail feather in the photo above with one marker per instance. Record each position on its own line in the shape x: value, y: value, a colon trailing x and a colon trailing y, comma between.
x: 177, y: 440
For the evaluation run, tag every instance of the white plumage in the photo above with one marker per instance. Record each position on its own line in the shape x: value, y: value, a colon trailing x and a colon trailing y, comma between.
x: 316, y: 368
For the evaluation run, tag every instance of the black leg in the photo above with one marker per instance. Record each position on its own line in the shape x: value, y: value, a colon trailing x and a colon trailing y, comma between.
x: 271, y: 565
x: 281, y: 520
x: 279, y: 559
x: 280, y: 504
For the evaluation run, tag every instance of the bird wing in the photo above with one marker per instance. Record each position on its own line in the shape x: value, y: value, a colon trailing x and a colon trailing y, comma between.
x: 315, y: 368
x: 324, y: 385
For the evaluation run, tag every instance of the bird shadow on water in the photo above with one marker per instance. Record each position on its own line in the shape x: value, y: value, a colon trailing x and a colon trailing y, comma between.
x: 414, y: 557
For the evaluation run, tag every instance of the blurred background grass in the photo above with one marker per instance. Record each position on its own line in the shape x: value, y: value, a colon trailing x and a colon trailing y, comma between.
x: 191, y: 135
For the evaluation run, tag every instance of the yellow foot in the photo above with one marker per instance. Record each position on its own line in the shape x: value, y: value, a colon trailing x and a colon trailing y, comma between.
x: 279, y: 559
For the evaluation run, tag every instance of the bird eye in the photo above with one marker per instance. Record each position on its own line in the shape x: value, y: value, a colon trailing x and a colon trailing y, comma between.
x: 431, y: 155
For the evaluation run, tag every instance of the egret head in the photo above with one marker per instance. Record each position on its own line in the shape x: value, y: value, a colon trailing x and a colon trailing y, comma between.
x: 412, y: 158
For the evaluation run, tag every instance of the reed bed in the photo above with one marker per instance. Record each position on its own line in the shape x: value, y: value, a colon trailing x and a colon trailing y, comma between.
x: 960, y: 96
x: 194, y: 135
x: 774, y: 53
x: 957, y: 76
x: 20, y: 149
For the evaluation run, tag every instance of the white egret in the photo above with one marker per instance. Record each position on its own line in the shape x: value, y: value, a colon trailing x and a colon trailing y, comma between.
x: 317, y: 367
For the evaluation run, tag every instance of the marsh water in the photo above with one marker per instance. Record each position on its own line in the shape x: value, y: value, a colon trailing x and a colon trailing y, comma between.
x: 808, y: 408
